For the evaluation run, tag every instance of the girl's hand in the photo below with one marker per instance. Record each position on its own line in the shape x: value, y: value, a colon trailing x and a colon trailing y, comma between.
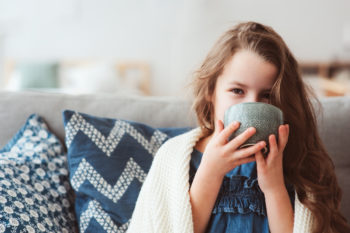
x: 270, y: 170
x: 221, y: 156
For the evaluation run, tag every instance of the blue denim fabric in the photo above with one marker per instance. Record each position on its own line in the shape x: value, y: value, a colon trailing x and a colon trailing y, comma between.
x: 240, y: 205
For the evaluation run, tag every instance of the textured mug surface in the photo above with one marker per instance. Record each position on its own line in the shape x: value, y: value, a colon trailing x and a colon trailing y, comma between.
x: 266, y: 118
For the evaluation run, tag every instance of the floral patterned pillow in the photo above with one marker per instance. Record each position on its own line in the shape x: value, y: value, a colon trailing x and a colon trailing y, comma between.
x: 35, y: 195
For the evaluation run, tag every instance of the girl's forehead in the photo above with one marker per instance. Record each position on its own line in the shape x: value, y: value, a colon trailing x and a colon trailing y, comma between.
x: 249, y: 68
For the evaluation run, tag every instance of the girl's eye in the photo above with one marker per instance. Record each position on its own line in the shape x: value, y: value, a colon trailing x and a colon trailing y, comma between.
x: 237, y: 91
x: 266, y: 96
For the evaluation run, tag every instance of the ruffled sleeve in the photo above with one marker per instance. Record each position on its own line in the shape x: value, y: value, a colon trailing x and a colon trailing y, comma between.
x: 240, y: 195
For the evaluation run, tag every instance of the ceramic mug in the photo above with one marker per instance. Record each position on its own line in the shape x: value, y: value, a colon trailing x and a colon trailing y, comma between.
x: 266, y: 118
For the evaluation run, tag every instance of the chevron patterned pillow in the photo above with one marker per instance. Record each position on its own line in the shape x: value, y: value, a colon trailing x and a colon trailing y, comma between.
x: 35, y: 195
x: 108, y: 162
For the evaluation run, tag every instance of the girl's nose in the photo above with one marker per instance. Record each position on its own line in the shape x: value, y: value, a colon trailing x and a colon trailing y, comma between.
x: 252, y: 98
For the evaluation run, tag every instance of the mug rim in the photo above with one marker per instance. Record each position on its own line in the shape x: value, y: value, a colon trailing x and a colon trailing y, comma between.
x: 277, y: 110
x: 254, y: 103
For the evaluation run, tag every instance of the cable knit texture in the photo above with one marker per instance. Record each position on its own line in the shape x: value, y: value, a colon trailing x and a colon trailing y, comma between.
x: 164, y: 204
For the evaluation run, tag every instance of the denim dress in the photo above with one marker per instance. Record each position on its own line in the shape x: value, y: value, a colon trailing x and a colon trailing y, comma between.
x: 240, y: 205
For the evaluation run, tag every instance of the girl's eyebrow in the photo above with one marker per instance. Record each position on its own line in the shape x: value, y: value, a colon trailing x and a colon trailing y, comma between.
x: 245, y: 86
x: 238, y: 84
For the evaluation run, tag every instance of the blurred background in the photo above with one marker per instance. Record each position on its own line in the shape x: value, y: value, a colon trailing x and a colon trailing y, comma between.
x: 152, y: 47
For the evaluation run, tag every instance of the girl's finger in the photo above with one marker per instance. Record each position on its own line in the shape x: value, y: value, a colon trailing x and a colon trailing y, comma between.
x: 219, y: 126
x: 250, y: 150
x: 245, y: 160
x: 260, y: 161
x: 240, y: 139
x: 283, y: 133
x: 273, y: 147
x: 225, y: 133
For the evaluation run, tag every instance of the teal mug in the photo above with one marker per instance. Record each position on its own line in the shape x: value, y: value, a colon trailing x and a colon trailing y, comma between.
x: 266, y: 118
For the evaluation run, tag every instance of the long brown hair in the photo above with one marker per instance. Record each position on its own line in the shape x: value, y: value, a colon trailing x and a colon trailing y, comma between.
x: 306, y: 164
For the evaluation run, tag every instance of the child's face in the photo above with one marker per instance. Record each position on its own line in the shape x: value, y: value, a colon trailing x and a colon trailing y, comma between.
x: 245, y: 78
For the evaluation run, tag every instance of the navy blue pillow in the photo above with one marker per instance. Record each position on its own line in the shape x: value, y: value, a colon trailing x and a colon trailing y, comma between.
x: 35, y: 195
x: 108, y: 161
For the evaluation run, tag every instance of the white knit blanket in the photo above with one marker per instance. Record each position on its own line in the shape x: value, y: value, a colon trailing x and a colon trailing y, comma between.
x: 163, y: 205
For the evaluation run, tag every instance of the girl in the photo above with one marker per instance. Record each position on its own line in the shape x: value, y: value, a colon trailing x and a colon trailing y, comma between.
x: 201, y: 182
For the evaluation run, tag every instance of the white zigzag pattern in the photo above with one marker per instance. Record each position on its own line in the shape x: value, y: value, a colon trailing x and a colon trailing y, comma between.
x: 107, y: 145
x: 86, y: 171
x: 95, y: 210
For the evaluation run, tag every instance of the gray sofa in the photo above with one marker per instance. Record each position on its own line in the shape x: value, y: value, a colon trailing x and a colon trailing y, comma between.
x: 15, y: 107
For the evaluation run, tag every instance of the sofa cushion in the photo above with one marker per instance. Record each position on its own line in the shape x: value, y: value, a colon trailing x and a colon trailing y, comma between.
x: 35, y: 194
x: 108, y: 162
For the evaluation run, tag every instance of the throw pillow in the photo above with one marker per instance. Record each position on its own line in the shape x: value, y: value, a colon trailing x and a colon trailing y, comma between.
x: 37, y: 74
x: 35, y: 195
x: 108, y: 160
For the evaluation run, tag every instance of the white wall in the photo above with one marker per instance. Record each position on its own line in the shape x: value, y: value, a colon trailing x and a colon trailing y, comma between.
x: 173, y: 35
